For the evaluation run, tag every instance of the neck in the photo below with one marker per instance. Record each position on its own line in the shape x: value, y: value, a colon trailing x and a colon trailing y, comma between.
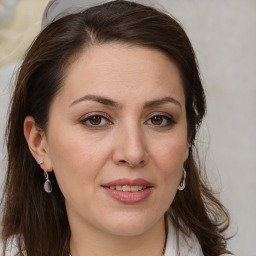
x: 88, y: 241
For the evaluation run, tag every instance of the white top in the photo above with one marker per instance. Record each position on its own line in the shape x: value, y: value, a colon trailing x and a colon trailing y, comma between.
x: 188, y: 246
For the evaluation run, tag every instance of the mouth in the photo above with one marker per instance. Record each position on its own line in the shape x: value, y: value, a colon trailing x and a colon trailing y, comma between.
x: 127, y: 188
x: 129, y: 191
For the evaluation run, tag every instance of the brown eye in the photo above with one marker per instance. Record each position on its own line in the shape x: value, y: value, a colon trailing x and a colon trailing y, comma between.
x: 157, y: 120
x: 160, y: 120
x: 95, y: 120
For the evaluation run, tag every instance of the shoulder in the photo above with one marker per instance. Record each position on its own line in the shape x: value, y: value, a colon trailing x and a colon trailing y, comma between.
x: 11, y: 246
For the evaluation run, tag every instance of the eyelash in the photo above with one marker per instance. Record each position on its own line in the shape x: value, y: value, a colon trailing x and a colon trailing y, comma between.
x: 165, y: 117
x: 89, y: 117
x: 103, y: 116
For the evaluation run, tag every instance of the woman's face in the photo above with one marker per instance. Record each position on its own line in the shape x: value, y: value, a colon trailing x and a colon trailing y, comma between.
x: 117, y: 138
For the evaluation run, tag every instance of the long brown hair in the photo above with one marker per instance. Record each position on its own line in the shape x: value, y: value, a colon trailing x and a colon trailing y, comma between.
x: 39, y: 220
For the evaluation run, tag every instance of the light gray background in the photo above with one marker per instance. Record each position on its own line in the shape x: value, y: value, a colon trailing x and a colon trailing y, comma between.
x: 223, y: 33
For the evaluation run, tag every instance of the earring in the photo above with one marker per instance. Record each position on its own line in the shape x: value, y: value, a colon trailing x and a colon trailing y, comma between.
x: 47, y: 183
x: 183, y: 182
x: 189, y: 149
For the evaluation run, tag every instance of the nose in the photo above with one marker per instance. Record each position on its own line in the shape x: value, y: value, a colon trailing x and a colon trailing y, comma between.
x: 130, y: 148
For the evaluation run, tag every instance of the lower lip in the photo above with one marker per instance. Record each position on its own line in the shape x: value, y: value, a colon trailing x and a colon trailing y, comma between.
x: 129, y: 197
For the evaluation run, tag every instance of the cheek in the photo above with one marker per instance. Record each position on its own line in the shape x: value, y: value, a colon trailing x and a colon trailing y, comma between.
x: 72, y: 144
x: 170, y: 155
x: 76, y: 161
x: 168, y: 162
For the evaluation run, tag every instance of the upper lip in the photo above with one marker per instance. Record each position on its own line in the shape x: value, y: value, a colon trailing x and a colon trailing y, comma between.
x: 128, y: 182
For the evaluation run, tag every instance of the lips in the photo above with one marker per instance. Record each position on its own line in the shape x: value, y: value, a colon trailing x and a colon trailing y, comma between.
x: 128, y: 182
x: 127, y: 188
x: 128, y: 191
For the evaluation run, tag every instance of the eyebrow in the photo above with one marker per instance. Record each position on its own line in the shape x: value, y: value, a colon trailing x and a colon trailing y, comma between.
x: 109, y: 102
x: 96, y: 98
x: 162, y: 101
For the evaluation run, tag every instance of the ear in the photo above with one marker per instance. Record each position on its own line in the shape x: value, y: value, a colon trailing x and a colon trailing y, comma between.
x: 186, y: 152
x: 37, y: 143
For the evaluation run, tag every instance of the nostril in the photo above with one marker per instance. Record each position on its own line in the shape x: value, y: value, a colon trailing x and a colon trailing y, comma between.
x: 132, y: 164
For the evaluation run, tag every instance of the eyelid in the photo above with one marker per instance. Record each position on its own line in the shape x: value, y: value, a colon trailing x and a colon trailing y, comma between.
x: 169, y: 117
x: 159, y: 113
x: 104, y: 115
x: 96, y: 113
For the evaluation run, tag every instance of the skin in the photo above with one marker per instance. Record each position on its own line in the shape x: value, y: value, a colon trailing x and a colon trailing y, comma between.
x: 126, y: 142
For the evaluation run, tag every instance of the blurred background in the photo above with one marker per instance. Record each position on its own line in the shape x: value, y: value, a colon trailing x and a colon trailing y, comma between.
x: 223, y: 33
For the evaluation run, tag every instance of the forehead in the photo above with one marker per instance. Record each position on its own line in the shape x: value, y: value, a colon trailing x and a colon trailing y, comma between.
x: 120, y: 67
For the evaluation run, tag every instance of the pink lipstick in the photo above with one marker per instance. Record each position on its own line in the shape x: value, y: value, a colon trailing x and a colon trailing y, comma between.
x: 128, y: 191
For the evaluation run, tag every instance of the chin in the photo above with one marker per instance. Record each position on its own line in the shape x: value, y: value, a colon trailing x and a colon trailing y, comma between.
x: 130, y: 225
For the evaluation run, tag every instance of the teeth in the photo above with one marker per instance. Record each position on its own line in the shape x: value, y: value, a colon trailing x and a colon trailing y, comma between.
x: 127, y: 188
x: 119, y: 188
x: 134, y: 188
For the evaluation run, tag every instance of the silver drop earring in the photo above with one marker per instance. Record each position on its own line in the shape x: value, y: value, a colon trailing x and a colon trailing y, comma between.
x: 183, y: 182
x: 47, y: 183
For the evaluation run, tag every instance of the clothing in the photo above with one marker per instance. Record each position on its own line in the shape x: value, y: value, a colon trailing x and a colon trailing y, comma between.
x: 188, y: 246
x: 12, y: 247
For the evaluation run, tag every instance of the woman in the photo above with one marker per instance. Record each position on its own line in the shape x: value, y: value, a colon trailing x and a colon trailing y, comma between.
x: 101, y: 141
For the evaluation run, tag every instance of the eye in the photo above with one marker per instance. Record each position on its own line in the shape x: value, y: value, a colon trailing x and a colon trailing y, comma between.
x: 161, y: 120
x: 95, y: 120
x: 157, y: 120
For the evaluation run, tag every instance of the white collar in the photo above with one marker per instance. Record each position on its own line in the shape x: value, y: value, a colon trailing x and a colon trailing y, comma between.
x: 188, y: 246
